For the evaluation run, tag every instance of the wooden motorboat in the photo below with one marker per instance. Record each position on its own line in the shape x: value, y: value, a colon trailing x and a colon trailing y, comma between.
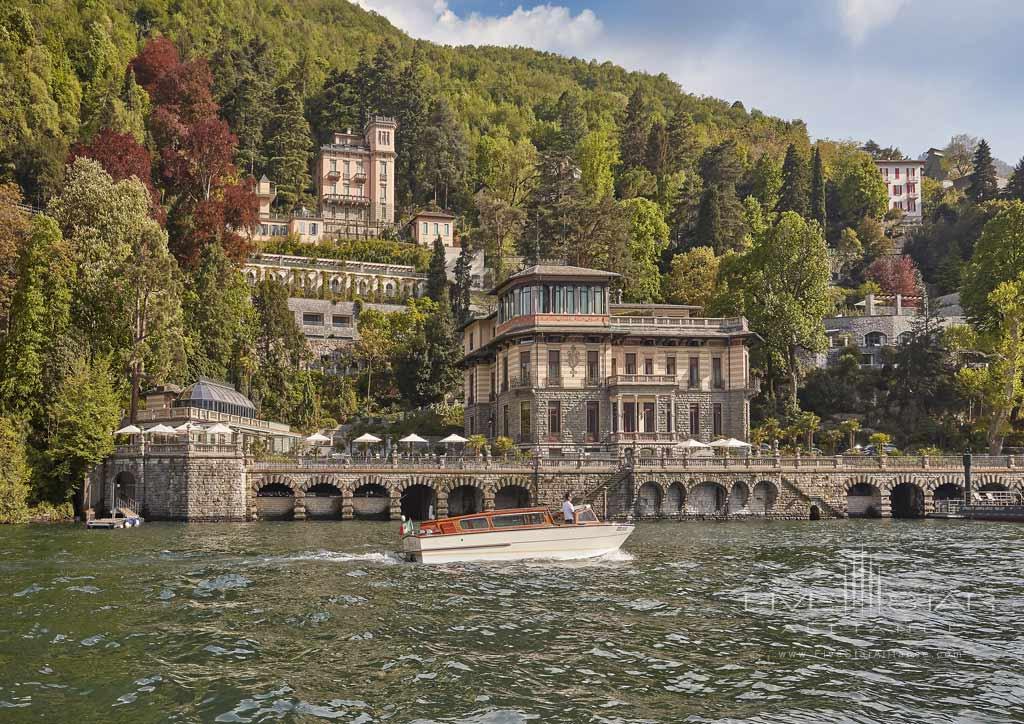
x: 511, y: 535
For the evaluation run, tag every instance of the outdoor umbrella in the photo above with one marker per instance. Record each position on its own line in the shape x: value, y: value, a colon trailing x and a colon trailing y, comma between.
x: 219, y: 429
x: 128, y: 430
x: 188, y: 427
x: 412, y: 437
x: 159, y: 430
x: 317, y: 438
x: 367, y: 438
x: 691, y: 443
x: 453, y: 438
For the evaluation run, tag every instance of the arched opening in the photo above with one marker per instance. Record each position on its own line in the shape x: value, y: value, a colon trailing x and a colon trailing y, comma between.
x: 675, y: 499
x: 371, y: 501
x: 763, y: 497
x: 738, y: 497
x: 948, y: 491
x: 875, y: 339
x: 275, y: 501
x: 814, y: 513
x: 419, y: 502
x: 863, y: 500
x: 648, y: 502
x: 512, y: 496
x: 465, y: 500
x: 323, y: 502
x: 907, y: 501
x: 707, y: 499
x: 124, y: 488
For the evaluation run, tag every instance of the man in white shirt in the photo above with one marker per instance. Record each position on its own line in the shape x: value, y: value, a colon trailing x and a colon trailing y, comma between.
x: 568, y: 510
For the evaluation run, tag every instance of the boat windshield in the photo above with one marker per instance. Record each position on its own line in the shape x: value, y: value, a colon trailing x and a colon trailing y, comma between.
x: 473, y: 524
x: 517, y: 519
x: 586, y: 516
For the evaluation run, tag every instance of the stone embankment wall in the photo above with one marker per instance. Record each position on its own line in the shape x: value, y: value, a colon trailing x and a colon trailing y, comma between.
x: 217, y: 483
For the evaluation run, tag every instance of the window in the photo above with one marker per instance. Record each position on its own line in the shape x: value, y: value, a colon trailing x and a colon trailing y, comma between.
x: 875, y: 339
x: 471, y: 340
x: 694, y: 378
x: 426, y: 228
x: 716, y: 373
x: 554, y: 417
x: 524, y: 367
x: 867, y: 360
x: 334, y: 164
x: 504, y: 420
x: 911, y: 188
x: 504, y: 373
x: 897, y: 172
x: 670, y: 366
x: 312, y: 318
x: 312, y: 229
x: 670, y: 416
x: 648, y: 366
x: 340, y: 320
x: 650, y: 417
x: 911, y: 204
x: 904, y: 337
x: 615, y: 367
x: 447, y: 229
x: 629, y: 417
x: 912, y: 172
x: 716, y: 411
x: 695, y: 420
x: 383, y: 170
x: 554, y: 365
x: 593, y: 420
x: 631, y: 363
x: 491, y: 388
x: 593, y: 367
x: 615, y: 417
x: 347, y: 167
x: 517, y: 519
x: 584, y: 300
x: 897, y: 190
x: 525, y: 420
x: 473, y: 524
x: 436, y: 229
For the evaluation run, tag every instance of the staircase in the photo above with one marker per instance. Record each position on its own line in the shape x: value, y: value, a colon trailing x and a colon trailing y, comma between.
x: 612, y: 499
x: 829, y: 509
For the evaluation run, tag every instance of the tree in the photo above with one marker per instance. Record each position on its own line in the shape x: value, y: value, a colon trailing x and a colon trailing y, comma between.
x: 767, y: 181
x: 14, y: 224
x: 84, y: 415
x: 438, y: 380
x: 280, y: 350
x: 682, y: 141
x: 635, y: 130
x: 983, y: 186
x: 830, y: 439
x: 446, y: 152
x: 958, y: 155
x: 1015, y: 188
x: 872, y: 238
x: 505, y: 169
x: 657, y: 153
x: 895, y: 275
x: 122, y: 157
x: 463, y: 285
x: 850, y: 427
x: 817, y: 198
x: 287, y: 147
x: 709, y: 231
x: 692, y: 277
x: 648, y: 238
x: 849, y: 250
x: 807, y: 423
x: 597, y: 154
x: 795, y: 191
x: 219, y: 319
x: 998, y: 257
x: 437, y: 276
x: 859, y: 189
x: 14, y: 473
x: 499, y: 230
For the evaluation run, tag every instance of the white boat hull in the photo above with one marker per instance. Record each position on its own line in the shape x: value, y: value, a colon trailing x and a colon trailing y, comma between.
x: 567, y: 542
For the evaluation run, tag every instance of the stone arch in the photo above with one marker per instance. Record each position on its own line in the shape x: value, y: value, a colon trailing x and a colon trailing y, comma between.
x: 814, y: 513
x: 649, y: 497
x: 513, y: 493
x: 261, y: 482
x: 314, y: 481
x: 863, y: 500
x: 275, y: 497
x: 739, y: 496
x: 763, y: 497
x: 419, y: 497
x: 464, y: 496
x: 389, y: 289
x: 675, y: 498
x: 707, y: 498
x: 125, y: 486
x: 323, y: 498
x: 906, y: 499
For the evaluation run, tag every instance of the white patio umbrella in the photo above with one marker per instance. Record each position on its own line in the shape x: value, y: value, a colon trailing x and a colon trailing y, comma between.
x: 159, y: 430
x: 454, y: 439
x: 412, y: 437
x: 188, y: 427
x: 367, y: 438
x: 219, y: 429
x: 316, y: 438
x: 722, y: 442
x: 128, y: 430
x: 733, y: 442
x: 690, y: 443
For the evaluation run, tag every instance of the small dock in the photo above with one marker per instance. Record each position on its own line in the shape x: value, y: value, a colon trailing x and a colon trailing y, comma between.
x: 123, y: 517
x: 1005, y: 506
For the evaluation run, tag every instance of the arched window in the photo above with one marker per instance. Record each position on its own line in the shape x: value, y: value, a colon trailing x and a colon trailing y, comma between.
x: 875, y: 339
x: 904, y: 337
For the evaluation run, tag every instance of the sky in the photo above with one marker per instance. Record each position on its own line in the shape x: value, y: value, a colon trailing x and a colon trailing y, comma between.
x: 909, y: 73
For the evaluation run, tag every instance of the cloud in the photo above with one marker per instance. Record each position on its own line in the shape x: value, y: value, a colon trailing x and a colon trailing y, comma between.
x: 546, y: 27
x: 860, y: 17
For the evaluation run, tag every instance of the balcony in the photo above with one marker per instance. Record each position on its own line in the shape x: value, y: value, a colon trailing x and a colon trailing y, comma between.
x: 616, y: 380
x: 521, y: 382
x: 359, y: 177
x: 333, y: 175
x: 622, y: 323
x: 554, y: 382
x: 347, y: 199
x: 638, y: 437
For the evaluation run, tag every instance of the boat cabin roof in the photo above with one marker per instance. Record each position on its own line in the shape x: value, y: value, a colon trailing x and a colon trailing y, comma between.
x: 505, y: 519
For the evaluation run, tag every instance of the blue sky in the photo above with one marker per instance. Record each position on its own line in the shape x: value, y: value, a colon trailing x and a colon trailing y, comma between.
x: 905, y: 72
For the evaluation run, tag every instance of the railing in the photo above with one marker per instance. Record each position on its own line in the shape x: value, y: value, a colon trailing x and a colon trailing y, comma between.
x: 347, y: 199
x: 646, y: 436
x: 554, y: 382
x: 519, y: 382
x: 196, y: 414
x: 634, y: 379
x: 722, y: 324
x: 315, y: 263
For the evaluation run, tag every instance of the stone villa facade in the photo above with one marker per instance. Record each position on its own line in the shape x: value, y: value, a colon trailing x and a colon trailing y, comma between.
x: 560, y: 368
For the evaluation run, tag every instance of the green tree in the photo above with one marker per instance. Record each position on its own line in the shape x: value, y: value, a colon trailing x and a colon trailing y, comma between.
x: 439, y: 379
x: 983, y: 186
x: 817, y: 198
x: 795, y: 191
x: 597, y: 154
x: 635, y: 129
x: 14, y: 473
x: 850, y: 427
x: 682, y: 141
x: 859, y: 189
x: 998, y: 257
x: 505, y: 169
x: 84, y: 415
x: 437, y: 276
x: 692, y: 277
x: 280, y: 350
x: 500, y: 227
x: 767, y: 181
x: 648, y: 238
x: 657, y: 153
x: 288, y: 147
x: 463, y: 284
x: 1015, y: 188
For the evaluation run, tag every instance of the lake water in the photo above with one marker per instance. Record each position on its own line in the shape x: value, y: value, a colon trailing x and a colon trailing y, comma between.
x: 846, y: 621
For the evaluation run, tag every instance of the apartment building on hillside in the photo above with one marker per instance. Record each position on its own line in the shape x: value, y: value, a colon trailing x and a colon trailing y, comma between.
x: 903, y: 183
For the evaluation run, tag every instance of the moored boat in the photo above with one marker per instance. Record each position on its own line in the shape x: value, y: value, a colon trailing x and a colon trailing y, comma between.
x: 511, y: 534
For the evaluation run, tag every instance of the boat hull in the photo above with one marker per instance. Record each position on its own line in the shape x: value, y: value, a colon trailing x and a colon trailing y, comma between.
x: 556, y: 543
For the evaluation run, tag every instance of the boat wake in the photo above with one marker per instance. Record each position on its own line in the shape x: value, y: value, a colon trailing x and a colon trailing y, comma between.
x: 336, y: 557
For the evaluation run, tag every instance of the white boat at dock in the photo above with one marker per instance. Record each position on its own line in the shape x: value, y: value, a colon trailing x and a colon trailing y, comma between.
x: 511, y: 535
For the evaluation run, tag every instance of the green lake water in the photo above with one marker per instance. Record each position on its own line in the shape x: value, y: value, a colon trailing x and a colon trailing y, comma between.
x: 845, y: 621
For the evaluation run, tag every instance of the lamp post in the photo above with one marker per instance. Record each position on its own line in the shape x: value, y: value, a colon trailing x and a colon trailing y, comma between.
x: 967, y: 476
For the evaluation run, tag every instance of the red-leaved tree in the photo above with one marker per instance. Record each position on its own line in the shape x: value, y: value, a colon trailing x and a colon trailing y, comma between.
x: 122, y: 157
x: 895, y: 275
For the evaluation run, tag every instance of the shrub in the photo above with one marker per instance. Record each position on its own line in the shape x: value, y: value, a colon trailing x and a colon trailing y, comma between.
x: 14, y: 474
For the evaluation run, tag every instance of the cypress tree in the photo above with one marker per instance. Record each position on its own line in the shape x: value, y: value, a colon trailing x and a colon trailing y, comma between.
x: 288, y: 146
x: 634, y: 131
x: 438, y: 377
x: 983, y: 185
x: 463, y: 284
x: 437, y: 277
x: 1015, y: 189
x: 795, y: 188
x: 817, y: 199
x: 709, y: 221
x: 657, y: 149
x: 682, y: 145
